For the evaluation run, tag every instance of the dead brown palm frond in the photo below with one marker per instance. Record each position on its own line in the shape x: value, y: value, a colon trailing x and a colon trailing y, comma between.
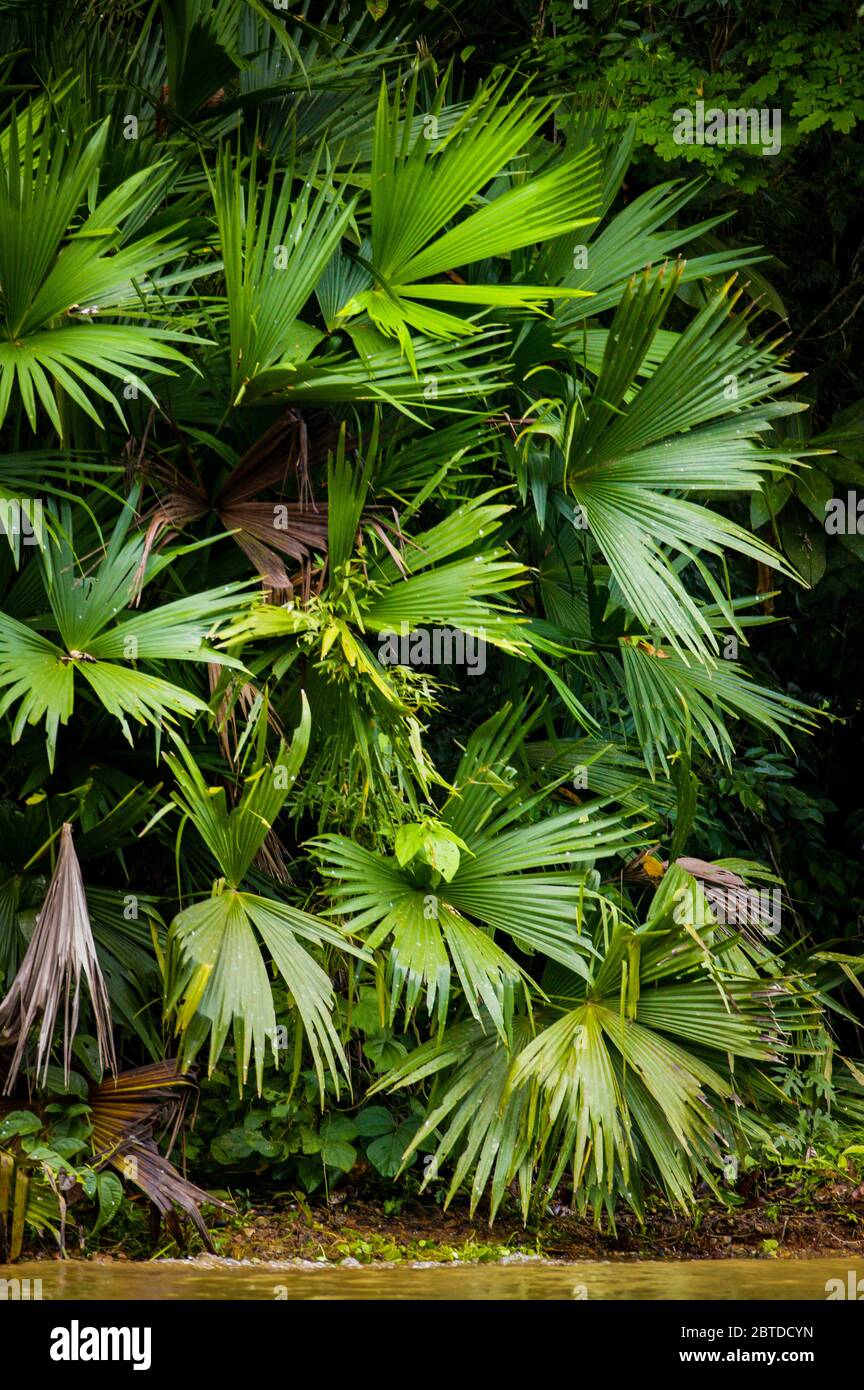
x: 239, y: 696
x: 268, y: 532
x: 380, y: 529
x: 133, y: 1103
x: 142, y: 1164
x: 282, y: 449
x: 272, y: 859
x: 60, y: 953
x: 732, y: 902
x: 708, y: 873
x: 125, y: 1112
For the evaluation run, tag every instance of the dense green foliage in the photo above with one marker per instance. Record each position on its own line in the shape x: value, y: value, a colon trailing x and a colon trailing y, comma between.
x: 403, y: 472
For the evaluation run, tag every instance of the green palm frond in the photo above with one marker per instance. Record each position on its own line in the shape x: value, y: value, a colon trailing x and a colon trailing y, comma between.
x: 440, y: 376
x: 645, y: 232
x: 426, y: 586
x: 630, y: 1071
x: 38, y: 675
x: 216, y: 980
x: 62, y: 269
x: 633, y: 469
x: 420, y: 184
x: 274, y: 251
x: 235, y: 837
x: 483, y: 1127
x: 526, y: 881
x: 670, y: 695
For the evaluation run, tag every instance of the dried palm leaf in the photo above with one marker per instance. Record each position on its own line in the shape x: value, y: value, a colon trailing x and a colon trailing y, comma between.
x: 265, y: 531
x: 125, y: 1111
x: 732, y: 902
x: 142, y: 1164
x: 132, y: 1104
x: 239, y: 695
x: 60, y: 953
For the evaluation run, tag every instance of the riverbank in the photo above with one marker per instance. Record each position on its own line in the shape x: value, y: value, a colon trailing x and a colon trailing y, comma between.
x: 363, y: 1231
x: 780, y: 1221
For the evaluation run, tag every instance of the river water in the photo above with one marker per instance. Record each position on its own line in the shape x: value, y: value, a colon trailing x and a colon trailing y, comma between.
x: 210, y: 1278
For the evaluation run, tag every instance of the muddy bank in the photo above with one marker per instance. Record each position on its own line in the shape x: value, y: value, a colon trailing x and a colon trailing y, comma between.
x: 354, y: 1226
x: 357, y: 1225
x: 361, y: 1230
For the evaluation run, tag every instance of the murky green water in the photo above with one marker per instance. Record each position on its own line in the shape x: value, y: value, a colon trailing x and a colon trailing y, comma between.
x: 794, y: 1280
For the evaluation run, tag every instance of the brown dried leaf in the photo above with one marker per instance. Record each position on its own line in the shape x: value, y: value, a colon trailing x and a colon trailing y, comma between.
x: 60, y: 953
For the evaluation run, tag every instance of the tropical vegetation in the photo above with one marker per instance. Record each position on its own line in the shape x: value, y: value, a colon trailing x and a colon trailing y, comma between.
x: 325, y: 337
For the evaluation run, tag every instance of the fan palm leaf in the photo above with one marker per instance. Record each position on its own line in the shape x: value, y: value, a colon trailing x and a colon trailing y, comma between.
x: 59, y: 276
x: 526, y: 881
x: 215, y: 976
x: 420, y: 185
x: 631, y: 1067
x: 38, y: 674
